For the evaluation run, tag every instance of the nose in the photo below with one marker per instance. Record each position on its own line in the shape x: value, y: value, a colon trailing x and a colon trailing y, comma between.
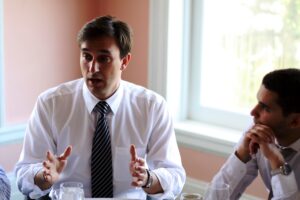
x: 94, y: 66
x: 255, y: 111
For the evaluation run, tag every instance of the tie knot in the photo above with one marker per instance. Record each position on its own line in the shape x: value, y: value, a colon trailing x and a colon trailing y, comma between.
x: 102, y: 107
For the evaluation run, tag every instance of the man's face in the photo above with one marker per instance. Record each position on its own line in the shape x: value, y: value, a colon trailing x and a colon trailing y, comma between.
x: 101, y: 66
x: 268, y: 112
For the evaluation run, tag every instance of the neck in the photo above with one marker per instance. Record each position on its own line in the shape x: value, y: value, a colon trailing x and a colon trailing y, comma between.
x: 286, y: 139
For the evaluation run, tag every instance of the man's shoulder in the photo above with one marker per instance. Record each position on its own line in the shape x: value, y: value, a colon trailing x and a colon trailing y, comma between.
x: 63, y: 89
x: 141, y: 92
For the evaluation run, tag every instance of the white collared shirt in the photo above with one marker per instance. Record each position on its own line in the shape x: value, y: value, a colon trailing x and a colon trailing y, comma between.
x: 240, y: 175
x: 63, y: 116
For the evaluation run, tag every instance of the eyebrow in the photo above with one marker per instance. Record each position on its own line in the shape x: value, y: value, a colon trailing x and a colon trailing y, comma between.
x: 263, y: 104
x: 104, y: 51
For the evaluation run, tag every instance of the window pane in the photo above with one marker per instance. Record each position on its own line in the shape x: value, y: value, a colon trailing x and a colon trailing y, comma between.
x: 241, y: 41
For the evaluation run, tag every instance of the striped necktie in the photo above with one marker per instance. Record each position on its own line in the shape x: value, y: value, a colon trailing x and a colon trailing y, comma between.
x: 101, y: 162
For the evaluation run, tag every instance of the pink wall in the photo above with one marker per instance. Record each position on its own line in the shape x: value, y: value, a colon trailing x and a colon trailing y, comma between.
x: 135, y: 13
x: 40, y: 49
x: 203, y: 166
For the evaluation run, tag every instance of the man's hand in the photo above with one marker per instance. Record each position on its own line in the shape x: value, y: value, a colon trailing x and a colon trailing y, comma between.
x: 54, y: 165
x: 243, y: 151
x: 262, y: 137
x: 137, y: 169
x: 255, y: 136
x: 52, y: 168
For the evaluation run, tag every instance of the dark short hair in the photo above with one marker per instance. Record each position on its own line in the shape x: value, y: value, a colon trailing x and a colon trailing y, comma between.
x: 286, y: 84
x: 111, y: 27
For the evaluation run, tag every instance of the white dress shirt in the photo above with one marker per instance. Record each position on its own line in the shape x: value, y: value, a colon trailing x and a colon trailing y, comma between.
x: 63, y: 116
x: 239, y: 175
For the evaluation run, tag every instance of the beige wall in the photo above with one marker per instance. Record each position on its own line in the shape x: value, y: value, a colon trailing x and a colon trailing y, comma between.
x: 41, y: 52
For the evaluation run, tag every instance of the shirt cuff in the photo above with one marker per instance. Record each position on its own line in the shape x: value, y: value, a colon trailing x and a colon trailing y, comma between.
x: 284, y: 185
x: 35, y: 192
x: 170, y: 181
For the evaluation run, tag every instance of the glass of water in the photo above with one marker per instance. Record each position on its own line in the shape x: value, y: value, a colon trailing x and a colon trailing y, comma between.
x: 71, y: 191
x: 190, y: 196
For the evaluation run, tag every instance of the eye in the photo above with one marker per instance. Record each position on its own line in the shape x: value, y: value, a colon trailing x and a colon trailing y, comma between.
x: 87, y: 57
x: 104, y: 59
x: 265, y: 107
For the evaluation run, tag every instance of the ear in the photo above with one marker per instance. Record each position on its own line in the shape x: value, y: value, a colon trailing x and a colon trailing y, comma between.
x: 295, y: 120
x: 125, y: 61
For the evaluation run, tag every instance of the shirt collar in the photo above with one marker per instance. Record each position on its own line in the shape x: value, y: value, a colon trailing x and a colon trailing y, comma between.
x: 113, y: 101
x: 295, y: 146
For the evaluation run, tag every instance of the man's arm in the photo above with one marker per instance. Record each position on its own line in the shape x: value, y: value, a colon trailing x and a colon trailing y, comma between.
x: 240, y: 169
x: 284, y: 186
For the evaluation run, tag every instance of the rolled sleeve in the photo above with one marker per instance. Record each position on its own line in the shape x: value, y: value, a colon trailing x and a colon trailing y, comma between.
x: 171, y: 181
x: 26, y: 183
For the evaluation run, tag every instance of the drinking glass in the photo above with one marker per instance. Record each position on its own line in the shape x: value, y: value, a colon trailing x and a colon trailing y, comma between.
x: 217, y: 191
x: 54, y: 194
x: 71, y: 191
x: 190, y: 196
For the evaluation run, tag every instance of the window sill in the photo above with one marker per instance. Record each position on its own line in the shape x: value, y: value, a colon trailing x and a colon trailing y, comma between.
x: 13, y: 134
x: 206, y: 137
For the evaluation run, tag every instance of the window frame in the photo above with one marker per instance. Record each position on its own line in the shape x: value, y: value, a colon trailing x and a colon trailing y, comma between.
x: 198, y: 135
x: 197, y: 112
x: 8, y: 134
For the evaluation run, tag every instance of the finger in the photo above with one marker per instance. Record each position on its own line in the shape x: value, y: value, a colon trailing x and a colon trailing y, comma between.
x: 137, y: 183
x: 133, y: 152
x: 253, y: 147
x: 141, y: 161
x: 141, y: 169
x: 50, y: 156
x: 66, y: 153
x: 46, y: 164
x: 259, y: 135
x: 265, y: 132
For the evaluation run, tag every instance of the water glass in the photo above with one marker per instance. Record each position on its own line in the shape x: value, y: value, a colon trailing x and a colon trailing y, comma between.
x: 190, y: 196
x: 54, y: 194
x: 217, y: 191
x: 71, y: 191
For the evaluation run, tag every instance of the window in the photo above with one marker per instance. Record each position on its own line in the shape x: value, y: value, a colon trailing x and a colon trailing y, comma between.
x: 9, y: 134
x: 209, y: 57
x: 236, y: 42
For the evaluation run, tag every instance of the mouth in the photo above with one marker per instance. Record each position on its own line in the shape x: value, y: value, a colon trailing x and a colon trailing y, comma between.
x: 94, y: 81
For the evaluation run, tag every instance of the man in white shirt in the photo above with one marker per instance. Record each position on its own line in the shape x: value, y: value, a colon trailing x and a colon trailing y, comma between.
x: 59, y: 136
x: 276, y: 127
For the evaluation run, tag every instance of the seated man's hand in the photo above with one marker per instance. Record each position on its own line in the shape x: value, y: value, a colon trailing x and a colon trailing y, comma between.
x: 263, y: 137
x: 138, y: 169
x: 54, y: 165
x: 52, y: 168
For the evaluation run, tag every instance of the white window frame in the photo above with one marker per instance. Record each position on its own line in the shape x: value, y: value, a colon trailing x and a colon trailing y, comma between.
x: 164, y: 78
x: 8, y: 134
